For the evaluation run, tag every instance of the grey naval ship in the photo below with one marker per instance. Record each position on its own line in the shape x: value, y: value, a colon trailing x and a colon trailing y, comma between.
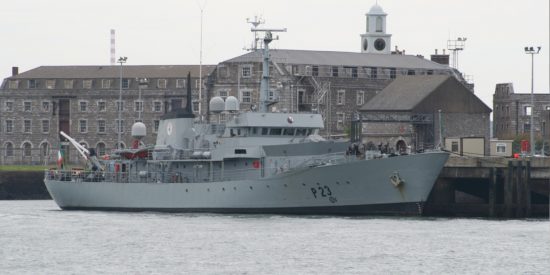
x: 256, y: 162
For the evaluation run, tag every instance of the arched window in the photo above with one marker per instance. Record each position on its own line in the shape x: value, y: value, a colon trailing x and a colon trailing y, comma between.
x: 27, y: 149
x: 44, y: 149
x: 121, y: 145
x: 100, y: 149
x: 9, y: 149
x: 379, y: 24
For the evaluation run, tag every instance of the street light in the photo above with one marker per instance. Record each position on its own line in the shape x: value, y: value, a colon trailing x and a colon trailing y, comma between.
x: 121, y: 60
x: 532, y: 51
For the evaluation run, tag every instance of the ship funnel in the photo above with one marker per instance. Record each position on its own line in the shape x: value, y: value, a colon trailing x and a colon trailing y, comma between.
x: 180, y: 112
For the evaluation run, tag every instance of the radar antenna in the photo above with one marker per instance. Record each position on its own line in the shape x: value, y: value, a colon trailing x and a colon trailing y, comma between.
x: 264, y: 85
x: 258, y: 20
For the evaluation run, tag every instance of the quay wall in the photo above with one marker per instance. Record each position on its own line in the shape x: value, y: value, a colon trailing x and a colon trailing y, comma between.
x: 18, y: 185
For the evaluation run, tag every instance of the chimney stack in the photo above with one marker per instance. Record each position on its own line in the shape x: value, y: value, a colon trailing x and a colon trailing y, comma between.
x: 435, y: 51
x: 14, y: 71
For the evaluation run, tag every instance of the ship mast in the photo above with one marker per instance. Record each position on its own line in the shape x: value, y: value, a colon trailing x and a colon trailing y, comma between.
x: 264, y: 84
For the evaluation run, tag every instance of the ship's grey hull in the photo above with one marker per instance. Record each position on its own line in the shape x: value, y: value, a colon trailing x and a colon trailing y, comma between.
x: 353, y: 188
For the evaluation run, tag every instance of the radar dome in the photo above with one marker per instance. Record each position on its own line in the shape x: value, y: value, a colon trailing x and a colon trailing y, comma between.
x: 139, y: 130
x: 217, y: 105
x: 231, y: 103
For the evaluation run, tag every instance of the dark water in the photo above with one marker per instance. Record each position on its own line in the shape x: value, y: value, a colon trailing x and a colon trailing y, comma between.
x: 37, y: 238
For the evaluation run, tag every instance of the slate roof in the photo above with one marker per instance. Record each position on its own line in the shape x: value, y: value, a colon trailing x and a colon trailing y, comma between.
x: 342, y: 59
x: 129, y: 71
x: 404, y: 93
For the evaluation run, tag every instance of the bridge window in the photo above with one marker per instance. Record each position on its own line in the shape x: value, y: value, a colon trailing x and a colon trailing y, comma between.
x: 276, y: 131
x: 288, y: 132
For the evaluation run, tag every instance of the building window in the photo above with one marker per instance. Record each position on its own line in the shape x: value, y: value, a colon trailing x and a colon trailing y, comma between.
x: 340, y: 121
x: 334, y: 71
x: 454, y: 146
x: 125, y: 83
x: 246, y: 96
x: 45, y: 106
x: 392, y: 73
x: 101, y: 126
x: 161, y: 83
x: 501, y: 147
x: 33, y: 83
x: 195, y: 105
x: 83, y: 126
x: 360, y: 98
x: 119, y: 126
x: 120, y: 106
x: 27, y: 106
x: 13, y: 84
x: 87, y: 84
x: 528, y: 110
x: 50, y: 84
x: 197, y: 83
x: 410, y: 72
x: 315, y: 71
x: 9, y: 149
x: 138, y: 106
x: 83, y: 106
x: 379, y: 24
x: 101, y: 106
x: 9, y: 126
x: 223, y: 94
x: 26, y: 126
x: 430, y: 72
x: 27, y: 149
x: 373, y: 73
x: 68, y: 84
x: 341, y: 97
x: 180, y: 83
x: 157, y: 106
x: 44, y: 149
x: 45, y: 126
x: 526, y: 128
x: 105, y: 83
x: 156, y: 124
x: 246, y: 71
x: 100, y: 149
x: 8, y: 106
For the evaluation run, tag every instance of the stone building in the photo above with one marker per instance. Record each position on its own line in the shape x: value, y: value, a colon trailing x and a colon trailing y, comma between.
x: 512, y: 111
x: 422, y: 112
x: 83, y: 101
x: 332, y: 83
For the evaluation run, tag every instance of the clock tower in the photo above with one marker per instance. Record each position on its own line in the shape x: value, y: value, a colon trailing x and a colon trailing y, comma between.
x: 376, y: 40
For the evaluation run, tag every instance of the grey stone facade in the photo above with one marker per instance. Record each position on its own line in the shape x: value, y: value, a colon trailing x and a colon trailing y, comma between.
x: 512, y: 111
x: 335, y: 84
x: 423, y: 111
x: 82, y: 101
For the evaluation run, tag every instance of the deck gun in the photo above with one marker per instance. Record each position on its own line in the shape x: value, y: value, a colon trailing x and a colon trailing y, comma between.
x: 89, y: 155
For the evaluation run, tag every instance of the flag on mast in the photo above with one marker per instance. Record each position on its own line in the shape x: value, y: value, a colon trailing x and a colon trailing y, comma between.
x: 60, y: 158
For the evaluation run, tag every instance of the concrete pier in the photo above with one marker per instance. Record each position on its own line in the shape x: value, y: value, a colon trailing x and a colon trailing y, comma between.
x: 492, y: 187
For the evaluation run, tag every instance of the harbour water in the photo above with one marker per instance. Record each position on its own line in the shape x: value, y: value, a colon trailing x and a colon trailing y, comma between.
x: 38, y: 238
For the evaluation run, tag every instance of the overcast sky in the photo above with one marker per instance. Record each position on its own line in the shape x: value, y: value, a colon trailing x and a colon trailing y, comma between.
x: 77, y: 32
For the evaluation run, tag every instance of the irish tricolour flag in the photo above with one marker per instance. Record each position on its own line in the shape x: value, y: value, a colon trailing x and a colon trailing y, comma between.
x: 60, y: 159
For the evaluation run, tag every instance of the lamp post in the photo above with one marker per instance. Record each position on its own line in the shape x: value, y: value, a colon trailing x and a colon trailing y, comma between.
x: 121, y: 60
x: 532, y: 51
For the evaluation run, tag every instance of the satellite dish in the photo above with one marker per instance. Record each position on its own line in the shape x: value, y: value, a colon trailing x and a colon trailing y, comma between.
x: 231, y: 103
x: 217, y: 105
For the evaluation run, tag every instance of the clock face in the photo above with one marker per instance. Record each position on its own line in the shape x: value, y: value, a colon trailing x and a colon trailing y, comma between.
x: 379, y: 44
x: 365, y: 45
